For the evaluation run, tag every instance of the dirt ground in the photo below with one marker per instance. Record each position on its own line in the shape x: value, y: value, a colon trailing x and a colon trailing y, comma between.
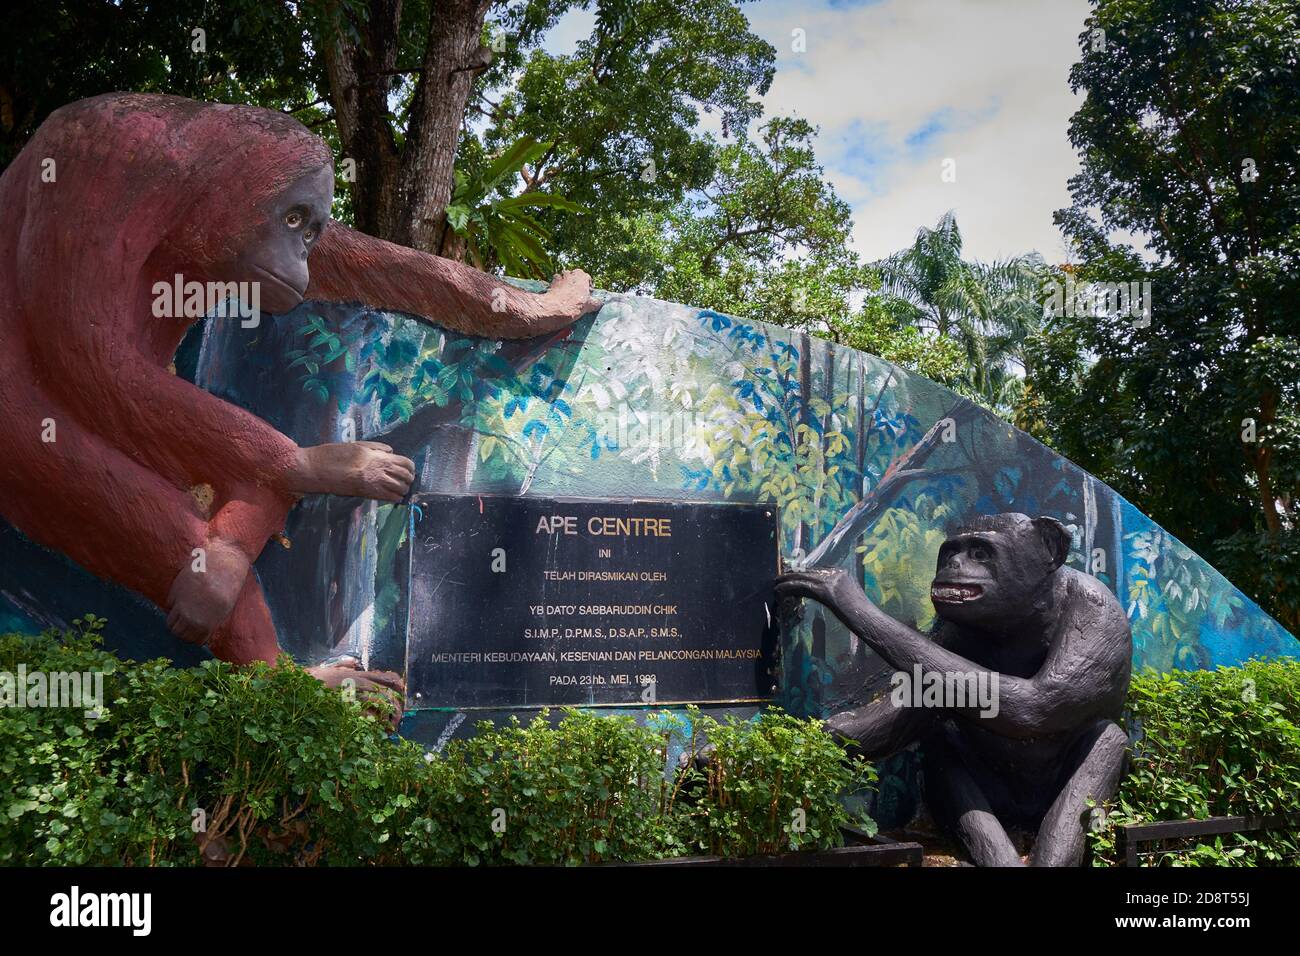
x: 939, y: 849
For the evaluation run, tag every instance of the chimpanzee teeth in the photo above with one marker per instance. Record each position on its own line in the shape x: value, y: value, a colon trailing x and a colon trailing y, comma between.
x: 951, y: 593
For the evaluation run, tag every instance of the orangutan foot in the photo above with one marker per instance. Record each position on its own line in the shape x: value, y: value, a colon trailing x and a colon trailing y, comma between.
x: 205, y: 591
x: 347, y: 675
x: 364, y: 469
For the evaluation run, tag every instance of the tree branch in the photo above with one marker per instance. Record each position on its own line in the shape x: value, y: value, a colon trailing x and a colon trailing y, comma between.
x: 901, y: 471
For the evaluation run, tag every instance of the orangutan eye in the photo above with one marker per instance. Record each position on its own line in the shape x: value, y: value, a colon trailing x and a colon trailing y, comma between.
x: 293, y: 220
x: 309, y: 235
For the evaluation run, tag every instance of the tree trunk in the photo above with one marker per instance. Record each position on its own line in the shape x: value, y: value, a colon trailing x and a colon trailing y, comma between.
x: 1262, y: 462
x: 453, y: 56
x: 401, y: 194
x: 360, y: 77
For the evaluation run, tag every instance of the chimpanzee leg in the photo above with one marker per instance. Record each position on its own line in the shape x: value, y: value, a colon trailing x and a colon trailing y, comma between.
x: 961, y: 807
x: 1098, y: 760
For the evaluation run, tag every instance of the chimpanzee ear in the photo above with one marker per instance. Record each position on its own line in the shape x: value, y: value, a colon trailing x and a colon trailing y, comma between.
x: 1055, y: 538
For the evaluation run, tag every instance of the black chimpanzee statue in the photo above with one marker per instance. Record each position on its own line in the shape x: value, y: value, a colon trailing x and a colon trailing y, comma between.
x: 1055, y: 645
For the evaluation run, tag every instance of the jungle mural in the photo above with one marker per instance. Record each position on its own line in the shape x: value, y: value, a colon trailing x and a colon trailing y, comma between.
x: 869, y: 465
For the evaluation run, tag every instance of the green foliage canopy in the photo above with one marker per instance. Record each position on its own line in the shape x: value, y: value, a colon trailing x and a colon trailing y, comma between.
x: 1187, y: 135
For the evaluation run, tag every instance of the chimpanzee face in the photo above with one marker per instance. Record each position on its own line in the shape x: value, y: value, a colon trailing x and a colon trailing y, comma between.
x: 991, y: 571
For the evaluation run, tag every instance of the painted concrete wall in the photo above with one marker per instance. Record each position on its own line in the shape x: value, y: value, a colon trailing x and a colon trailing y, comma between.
x: 650, y: 399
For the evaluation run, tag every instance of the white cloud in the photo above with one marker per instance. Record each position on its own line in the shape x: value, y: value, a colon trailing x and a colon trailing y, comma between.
x: 992, y: 73
x: 573, y: 27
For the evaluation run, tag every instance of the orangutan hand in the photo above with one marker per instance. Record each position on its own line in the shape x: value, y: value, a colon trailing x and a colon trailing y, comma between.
x: 364, y: 469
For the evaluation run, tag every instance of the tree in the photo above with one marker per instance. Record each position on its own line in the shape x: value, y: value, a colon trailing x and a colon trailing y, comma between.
x: 503, y: 229
x: 409, y: 92
x: 877, y: 328
x: 1187, y: 135
x: 245, y: 51
x: 623, y: 113
x: 764, y: 238
x: 405, y: 81
x: 767, y: 239
x: 427, y: 61
x: 987, y: 309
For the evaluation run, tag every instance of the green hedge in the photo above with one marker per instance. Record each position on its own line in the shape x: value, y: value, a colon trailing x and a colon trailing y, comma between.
x: 1213, y: 743
x: 274, y: 768
x: 280, y: 770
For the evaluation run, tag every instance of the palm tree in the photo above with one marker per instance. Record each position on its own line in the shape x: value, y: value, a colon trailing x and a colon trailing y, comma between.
x: 988, y: 309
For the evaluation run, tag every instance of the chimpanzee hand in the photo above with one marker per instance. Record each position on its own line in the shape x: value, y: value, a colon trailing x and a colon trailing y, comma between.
x: 700, y: 760
x: 824, y: 585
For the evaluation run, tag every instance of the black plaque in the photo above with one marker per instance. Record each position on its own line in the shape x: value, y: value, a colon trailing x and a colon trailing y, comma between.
x: 531, y: 602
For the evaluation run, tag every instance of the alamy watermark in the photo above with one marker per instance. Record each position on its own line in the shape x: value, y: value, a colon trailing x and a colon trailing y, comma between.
x: 82, y: 690
x: 622, y: 429
x: 133, y: 911
x: 946, y: 690
x: 194, y: 300
x: 1099, y: 299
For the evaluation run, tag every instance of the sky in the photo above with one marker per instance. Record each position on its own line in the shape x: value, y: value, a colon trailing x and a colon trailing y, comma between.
x: 899, y: 86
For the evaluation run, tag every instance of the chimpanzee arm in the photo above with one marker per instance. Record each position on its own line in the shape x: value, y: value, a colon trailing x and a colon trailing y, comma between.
x: 881, y: 727
x: 1076, y: 676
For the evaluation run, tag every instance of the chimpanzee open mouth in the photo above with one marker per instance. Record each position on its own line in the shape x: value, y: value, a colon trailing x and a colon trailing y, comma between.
x: 956, y: 593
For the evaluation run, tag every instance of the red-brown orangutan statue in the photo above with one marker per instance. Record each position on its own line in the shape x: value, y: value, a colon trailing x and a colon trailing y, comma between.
x: 101, y: 445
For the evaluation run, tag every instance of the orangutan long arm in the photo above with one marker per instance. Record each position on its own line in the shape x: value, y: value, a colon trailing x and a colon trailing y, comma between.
x: 184, y: 433
x: 349, y: 266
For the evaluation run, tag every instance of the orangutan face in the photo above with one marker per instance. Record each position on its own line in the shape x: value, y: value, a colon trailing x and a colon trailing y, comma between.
x: 276, y: 255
